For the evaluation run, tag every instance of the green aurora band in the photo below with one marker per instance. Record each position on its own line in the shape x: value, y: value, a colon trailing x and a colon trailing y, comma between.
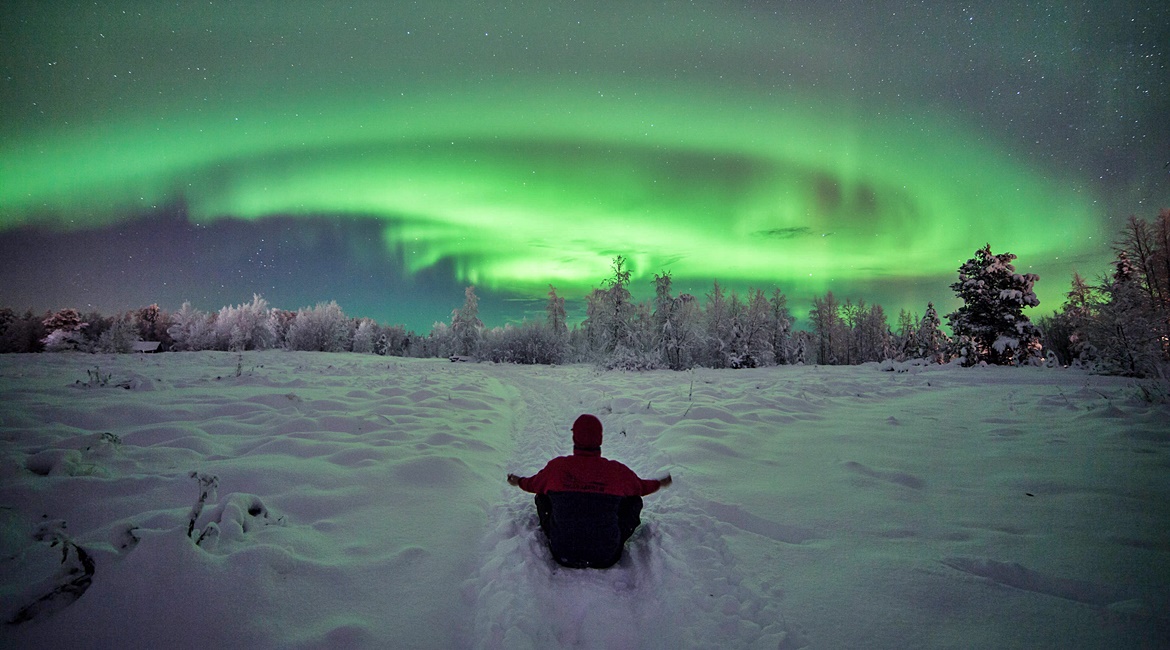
x: 522, y: 194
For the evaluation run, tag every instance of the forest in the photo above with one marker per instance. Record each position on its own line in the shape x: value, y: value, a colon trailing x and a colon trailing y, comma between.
x: 1118, y: 323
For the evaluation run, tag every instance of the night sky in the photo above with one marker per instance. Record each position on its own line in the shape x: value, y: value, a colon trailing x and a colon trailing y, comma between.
x: 387, y: 154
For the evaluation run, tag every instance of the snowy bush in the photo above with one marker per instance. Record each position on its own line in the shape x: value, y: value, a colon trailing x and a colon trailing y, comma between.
x: 63, y: 341
x: 529, y: 343
x: 624, y: 358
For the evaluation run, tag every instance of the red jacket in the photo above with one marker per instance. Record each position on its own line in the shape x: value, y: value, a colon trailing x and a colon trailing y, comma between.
x: 587, y: 471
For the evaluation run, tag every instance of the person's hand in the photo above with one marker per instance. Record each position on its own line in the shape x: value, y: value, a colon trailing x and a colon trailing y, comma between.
x: 665, y: 481
x: 513, y: 480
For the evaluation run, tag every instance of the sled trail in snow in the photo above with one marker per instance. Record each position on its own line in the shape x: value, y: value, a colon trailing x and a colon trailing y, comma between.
x: 677, y: 583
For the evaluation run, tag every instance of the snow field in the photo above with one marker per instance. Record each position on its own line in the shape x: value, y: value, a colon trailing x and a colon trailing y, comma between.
x: 359, y: 501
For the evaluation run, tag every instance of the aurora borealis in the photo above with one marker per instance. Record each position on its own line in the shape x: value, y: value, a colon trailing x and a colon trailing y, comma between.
x: 387, y: 154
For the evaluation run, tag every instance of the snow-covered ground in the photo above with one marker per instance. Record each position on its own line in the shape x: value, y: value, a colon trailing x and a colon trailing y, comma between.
x: 360, y: 501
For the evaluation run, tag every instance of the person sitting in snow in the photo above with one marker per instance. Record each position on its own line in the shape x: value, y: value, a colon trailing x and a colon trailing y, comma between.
x: 588, y: 505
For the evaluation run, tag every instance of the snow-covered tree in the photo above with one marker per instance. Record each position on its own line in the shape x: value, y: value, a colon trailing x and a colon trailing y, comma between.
x: 990, y: 326
x: 119, y: 337
x: 365, y: 336
x: 439, y: 342
x: 612, y: 320
x: 721, y: 328
x: 191, y: 329
x: 780, y: 323
x: 756, y: 331
x: 22, y: 333
x: 555, y: 313
x: 873, y: 338
x: 1065, y: 332
x: 152, y: 323
x: 1125, y: 335
x: 394, y: 341
x: 595, y: 329
x: 675, y: 325
x: 69, y: 320
x: 619, y: 304
x: 828, y: 331
x: 64, y: 328
x: 929, y: 341
x: 528, y: 343
x: 324, y: 328
x: 465, y: 324
x: 247, y: 326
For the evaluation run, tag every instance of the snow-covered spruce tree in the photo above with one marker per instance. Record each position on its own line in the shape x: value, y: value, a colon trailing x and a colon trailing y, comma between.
x: 466, y: 326
x: 991, y: 326
x: 929, y: 341
x: 802, y: 348
x: 324, y: 328
x: 620, y: 305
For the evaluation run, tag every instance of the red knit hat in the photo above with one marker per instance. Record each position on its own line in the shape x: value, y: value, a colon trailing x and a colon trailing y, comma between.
x: 587, y: 432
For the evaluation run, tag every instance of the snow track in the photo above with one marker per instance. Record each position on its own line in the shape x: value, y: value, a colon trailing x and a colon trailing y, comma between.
x: 677, y: 583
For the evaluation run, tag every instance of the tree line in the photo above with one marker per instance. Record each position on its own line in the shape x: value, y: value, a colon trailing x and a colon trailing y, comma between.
x: 1121, y: 324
